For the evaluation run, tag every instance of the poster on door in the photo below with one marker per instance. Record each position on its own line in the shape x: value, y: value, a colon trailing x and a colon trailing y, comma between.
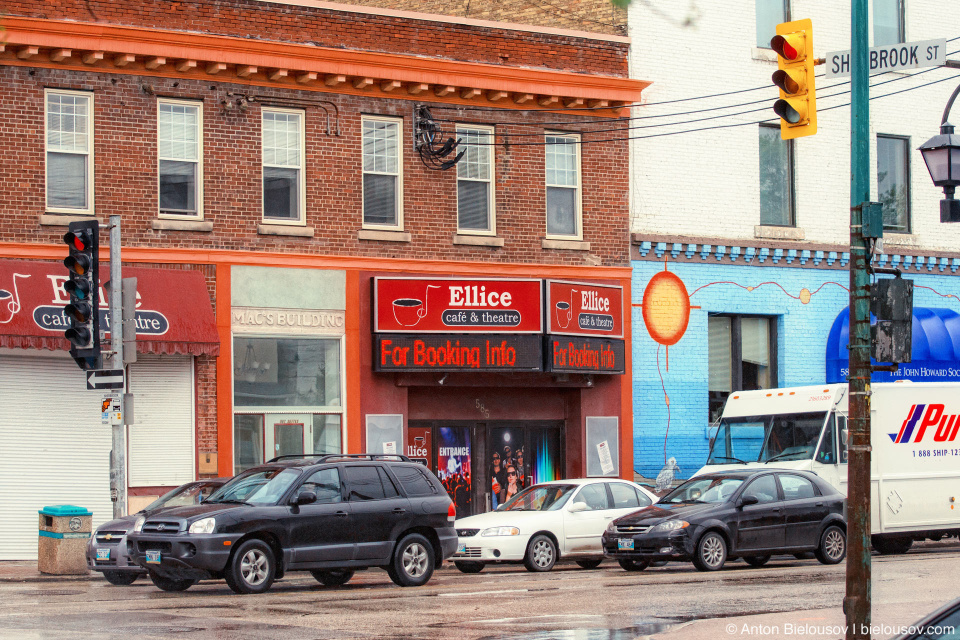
x: 418, y: 446
x: 453, y: 465
x: 508, y: 467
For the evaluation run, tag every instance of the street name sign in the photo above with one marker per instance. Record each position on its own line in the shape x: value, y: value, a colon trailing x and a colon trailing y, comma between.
x: 892, y: 57
x: 105, y: 379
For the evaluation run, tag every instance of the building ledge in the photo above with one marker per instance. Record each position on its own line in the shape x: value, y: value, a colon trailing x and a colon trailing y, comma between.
x: 570, y: 245
x: 284, y: 230
x: 62, y: 219
x: 383, y: 236
x: 478, y: 241
x: 162, y: 224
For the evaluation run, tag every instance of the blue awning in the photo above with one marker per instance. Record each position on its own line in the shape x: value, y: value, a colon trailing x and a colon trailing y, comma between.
x: 936, y: 348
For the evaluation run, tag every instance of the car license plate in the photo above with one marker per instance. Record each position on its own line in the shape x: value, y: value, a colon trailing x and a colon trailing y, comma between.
x: 153, y: 556
x: 103, y: 554
x: 625, y: 543
x: 461, y: 547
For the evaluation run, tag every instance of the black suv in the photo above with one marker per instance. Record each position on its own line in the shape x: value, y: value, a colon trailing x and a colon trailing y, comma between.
x: 329, y: 514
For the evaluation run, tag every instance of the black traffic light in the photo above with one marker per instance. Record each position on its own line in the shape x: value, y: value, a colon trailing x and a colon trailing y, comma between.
x: 83, y: 311
x: 797, y: 106
x: 891, y: 338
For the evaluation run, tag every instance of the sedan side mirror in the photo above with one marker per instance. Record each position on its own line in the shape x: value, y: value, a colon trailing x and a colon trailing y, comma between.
x: 746, y: 501
x: 577, y: 507
x: 305, y: 497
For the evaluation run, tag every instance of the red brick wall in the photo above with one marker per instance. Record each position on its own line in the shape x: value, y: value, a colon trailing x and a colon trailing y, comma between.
x: 342, y: 29
x: 125, y: 174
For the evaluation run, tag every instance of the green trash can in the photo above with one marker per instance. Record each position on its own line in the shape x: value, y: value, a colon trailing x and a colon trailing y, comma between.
x: 62, y: 546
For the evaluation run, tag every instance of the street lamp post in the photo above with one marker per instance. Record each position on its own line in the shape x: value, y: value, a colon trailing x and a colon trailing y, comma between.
x: 941, y: 153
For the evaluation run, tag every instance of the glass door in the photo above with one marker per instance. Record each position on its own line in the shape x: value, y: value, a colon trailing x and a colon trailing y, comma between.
x: 286, y: 434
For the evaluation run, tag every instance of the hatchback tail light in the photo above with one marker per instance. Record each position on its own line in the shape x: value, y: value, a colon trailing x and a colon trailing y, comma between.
x: 452, y: 512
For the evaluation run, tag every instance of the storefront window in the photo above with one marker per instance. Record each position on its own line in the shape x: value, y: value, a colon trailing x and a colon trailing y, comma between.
x: 286, y: 372
x: 743, y: 356
x: 247, y: 442
x: 326, y: 433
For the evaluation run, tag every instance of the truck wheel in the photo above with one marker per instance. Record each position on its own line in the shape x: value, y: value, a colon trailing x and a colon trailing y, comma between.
x: 252, y: 567
x: 412, y: 563
x: 332, y: 577
x: 886, y: 546
x: 711, y: 552
x: 468, y: 567
x: 541, y: 554
x: 633, y: 565
x: 589, y: 564
x: 171, y: 584
x: 120, y: 578
x: 756, y: 561
x: 833, y: 545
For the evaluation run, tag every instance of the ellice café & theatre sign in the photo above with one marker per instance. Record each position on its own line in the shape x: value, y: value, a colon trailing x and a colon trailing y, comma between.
x: 497, y: 325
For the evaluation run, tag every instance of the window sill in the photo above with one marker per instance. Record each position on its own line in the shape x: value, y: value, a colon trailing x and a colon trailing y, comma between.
x: 383, y: 236
x: 284, y: 230
x: 899, y: 239
x: 572, y: 245
x: 768, y: 55
x: 160, y: 224
x: 63, y: 219
x: 478, y: 241
x: 778, y: 233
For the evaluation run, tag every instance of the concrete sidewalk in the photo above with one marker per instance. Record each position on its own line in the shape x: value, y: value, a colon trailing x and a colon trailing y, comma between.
x: 26, y: 571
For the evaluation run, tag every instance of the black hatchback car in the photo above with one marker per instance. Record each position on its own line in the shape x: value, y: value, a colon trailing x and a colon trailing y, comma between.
x: 329, y: 515
x: 751, y: 514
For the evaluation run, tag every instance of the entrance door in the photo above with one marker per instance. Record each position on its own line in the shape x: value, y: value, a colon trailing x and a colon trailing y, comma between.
x: 286, y: 433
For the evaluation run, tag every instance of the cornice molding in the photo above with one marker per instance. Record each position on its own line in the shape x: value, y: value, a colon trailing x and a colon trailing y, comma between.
x: 156, y: 52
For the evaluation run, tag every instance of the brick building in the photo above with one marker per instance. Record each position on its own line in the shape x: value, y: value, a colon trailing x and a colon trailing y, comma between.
x: 745, y: 252
x: 306, y: 282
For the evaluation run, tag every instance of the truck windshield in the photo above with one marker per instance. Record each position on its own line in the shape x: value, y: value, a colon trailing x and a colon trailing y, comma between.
x: 785, y: 436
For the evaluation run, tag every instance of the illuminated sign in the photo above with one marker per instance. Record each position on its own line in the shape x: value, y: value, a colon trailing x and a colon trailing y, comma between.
x: 584, y: 309
x: 571, y: 354
x: 458, y: 352
x: 408, y: 305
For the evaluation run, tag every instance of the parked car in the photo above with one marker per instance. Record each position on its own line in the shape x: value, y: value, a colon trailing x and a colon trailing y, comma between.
x: 547, y: 521
x: 751, y: 514
x: 107, y: 549
x: 328, y: 514
x: 942, y: 624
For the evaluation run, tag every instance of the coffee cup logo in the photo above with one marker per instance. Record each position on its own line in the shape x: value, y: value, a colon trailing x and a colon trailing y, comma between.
x: 408, y: 312
x: 10, y: 302
x: 565, y: 311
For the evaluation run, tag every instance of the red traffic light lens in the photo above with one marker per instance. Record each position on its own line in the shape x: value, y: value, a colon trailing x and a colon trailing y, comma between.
x: 76, y: 241
x: 783, y: 48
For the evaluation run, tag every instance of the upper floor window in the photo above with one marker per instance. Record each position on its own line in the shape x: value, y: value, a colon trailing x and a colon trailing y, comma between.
x: 69, y: 147
x: 888, y: 22
x: 776, y: 178
x: 475, y: 181
x: 563, y: 185
x: 179, y: 151
x: 283, y: 151
x: 893, y: 182
x: 770, y: 13
x: 382, y: 176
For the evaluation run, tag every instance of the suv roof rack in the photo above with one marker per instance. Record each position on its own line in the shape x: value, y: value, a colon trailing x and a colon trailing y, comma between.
x: 325, y: 457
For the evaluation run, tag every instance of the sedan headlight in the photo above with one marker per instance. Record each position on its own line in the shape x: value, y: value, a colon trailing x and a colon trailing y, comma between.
x: 501, y: 531
x: 670, y: 525
x: 206, y: 525
x: 612, y: 526
x: 138, y: 525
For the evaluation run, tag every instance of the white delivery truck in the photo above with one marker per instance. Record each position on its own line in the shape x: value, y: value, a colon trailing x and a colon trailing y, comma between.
x: 915, y: 464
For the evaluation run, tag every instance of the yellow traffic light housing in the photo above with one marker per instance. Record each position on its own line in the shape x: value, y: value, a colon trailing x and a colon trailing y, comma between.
x: 797, y: 106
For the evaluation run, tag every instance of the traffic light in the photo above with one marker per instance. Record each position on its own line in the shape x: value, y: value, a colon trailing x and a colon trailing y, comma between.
x: 891, y: 338
x: 83, y: 311
x: 797, y: 106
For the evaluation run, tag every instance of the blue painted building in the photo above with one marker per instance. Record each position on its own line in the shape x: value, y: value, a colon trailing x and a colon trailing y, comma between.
x: 760, y: 316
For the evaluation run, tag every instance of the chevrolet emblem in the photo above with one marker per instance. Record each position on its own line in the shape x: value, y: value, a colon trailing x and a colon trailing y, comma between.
x: 109, y: 536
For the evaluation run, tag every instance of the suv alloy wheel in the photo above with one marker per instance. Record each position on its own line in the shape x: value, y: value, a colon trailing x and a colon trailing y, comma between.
x: 412, y: 563
x: 252, y: 567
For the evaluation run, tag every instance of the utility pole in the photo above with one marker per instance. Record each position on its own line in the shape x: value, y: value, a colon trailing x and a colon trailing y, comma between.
x: 118, y: 455
x: 856, y: 604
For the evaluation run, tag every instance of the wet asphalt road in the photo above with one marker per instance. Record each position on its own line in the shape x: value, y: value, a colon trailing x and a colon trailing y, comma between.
x: 501, y: 603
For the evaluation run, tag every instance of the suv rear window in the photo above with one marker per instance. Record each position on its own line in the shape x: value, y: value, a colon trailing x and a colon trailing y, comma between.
x: 414, y: 481
x: 365, y: 483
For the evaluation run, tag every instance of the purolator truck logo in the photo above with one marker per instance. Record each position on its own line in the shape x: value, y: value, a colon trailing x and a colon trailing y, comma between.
x: 922, y: 417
